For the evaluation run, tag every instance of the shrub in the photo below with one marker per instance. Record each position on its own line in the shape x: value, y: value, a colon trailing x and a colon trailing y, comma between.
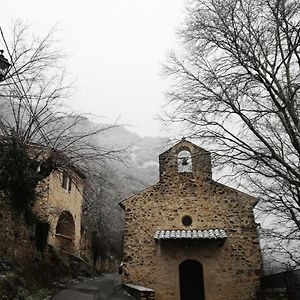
x: 19, y: 174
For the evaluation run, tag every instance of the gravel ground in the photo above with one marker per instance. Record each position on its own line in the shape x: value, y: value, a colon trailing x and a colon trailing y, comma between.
x: 106, y: 287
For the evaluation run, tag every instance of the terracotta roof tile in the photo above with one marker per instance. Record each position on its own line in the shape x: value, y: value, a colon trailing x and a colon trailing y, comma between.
x: 190, y: 234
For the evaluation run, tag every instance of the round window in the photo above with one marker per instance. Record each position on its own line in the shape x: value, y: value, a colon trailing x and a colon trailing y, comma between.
x: 187, y: 220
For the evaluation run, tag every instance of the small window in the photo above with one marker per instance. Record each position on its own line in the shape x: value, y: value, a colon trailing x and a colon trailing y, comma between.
x: 184, y: 160
x: 66, y: 181
x: 70, y: 184
x: 187, y: 220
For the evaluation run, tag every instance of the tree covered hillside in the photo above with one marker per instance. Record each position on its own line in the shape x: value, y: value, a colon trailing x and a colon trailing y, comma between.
x: 137, y: 169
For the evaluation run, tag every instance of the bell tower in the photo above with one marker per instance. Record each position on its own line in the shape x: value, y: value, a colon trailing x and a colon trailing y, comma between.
x: 185, y: 160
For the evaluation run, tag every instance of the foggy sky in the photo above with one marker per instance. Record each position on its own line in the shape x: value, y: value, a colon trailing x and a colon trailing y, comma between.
x: 115, y: 49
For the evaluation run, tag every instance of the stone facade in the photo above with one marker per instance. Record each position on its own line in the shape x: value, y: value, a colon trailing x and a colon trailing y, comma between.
x: 230, y: 269
x: 60, y: 206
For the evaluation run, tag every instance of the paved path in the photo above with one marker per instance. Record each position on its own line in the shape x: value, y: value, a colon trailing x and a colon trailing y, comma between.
x: 106, y: 287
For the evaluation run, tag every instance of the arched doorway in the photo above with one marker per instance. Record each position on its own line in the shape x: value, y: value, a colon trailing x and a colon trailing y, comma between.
x: 191, y: 280
x: 65, y: 232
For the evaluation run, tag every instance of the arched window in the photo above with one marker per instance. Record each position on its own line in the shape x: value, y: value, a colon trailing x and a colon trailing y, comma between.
x: 184, y: 161
x: 66, y: 181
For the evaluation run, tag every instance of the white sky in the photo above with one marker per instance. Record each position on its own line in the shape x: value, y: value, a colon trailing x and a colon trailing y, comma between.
x: 116, y: 49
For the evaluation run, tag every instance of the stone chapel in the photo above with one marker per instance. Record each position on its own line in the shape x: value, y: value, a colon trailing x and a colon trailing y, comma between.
x: 189, y: 237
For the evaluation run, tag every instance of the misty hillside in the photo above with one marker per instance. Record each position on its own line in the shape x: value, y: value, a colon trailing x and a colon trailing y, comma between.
x: 138, y: 159
x: 137, y: 169
x: 140, y: 166
x: 137, y: 165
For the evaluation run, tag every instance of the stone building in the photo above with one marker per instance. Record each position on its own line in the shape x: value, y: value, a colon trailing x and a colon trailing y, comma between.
x: 188, y: 237
x: 60, y: 207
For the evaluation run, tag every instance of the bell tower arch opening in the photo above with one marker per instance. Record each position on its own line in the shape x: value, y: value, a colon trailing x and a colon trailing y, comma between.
x: 65, y: 232
x: 191, y: 280
x: 184, y: 161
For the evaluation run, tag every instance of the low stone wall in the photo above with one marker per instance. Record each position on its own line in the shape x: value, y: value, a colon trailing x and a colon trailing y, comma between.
x: 284, y: 285
x: 139, y: 292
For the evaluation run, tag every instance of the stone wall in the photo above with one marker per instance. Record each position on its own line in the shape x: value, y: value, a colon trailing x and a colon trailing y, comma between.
x: 231, y: 269
x: 15, y: 241
x: 283, y: 286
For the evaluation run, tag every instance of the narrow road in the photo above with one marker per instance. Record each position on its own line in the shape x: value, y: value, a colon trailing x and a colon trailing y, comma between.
x: 106, y: 287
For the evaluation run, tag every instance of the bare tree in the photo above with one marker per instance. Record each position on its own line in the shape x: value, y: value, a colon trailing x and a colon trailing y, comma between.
x: 33, y: 101
x: 236, y: 87
x: 38, y: 133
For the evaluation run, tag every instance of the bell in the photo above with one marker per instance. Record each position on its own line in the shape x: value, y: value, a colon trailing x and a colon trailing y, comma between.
x: 185, y: 161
